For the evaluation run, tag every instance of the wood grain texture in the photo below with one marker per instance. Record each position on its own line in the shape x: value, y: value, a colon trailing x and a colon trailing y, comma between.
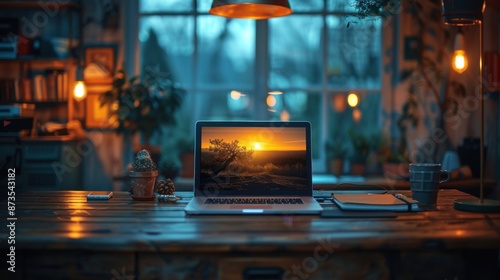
x: 60, y: 233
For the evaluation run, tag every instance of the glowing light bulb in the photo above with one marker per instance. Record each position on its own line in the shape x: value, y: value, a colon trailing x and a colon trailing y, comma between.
x: 352, y: 99
x: 80, y: 91
x: 459, y: 61
x: 271, y: 100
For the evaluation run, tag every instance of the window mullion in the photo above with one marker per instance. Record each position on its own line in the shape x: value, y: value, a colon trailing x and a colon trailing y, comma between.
x: 195, y: 42
x: 261, y: 69
x: 325, y: 94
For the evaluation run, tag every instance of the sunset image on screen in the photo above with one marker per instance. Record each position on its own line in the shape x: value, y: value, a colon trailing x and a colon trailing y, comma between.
x: 253, y: 158
x: 258, y: 138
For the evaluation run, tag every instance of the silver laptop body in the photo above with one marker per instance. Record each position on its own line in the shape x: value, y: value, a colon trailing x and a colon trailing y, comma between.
x: 253, y: 168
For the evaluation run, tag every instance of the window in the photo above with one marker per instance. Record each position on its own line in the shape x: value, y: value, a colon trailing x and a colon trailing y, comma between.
x: 298, y: 67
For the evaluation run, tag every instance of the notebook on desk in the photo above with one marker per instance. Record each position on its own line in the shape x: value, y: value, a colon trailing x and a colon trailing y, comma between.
x: 375, y: 202
x: 253, y: 168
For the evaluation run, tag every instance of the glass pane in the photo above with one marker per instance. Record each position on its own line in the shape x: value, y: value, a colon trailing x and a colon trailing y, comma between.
x: 295, y: 51
x: 354, y: 54
x: 306, y: 6
x: 212, y: 105
x: 226, y: 52
x: 220, y: 105
x: 204, y: 5
x: 299, y: 106
x: 340, y: 6
x: 364, y: 118
x: 167, y: 45
x: 146, y: 6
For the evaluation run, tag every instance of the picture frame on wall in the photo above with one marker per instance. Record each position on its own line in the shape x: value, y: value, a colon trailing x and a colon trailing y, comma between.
x: 100, y: 63
x: 97, y: 116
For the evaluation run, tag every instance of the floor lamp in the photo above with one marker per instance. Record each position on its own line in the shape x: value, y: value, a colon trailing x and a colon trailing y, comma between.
x: 462, y: 13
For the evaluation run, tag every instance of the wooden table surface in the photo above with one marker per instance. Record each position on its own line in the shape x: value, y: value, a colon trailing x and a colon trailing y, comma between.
x: 127, y: 233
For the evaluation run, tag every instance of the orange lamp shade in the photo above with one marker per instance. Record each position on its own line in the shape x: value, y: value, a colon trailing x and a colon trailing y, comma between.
x: 251, y: 9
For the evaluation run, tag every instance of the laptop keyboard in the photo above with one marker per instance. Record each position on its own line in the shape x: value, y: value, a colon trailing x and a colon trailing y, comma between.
x: 254, y: 201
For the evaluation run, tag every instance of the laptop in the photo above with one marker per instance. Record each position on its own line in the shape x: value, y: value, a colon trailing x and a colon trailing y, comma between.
x: 253, y: 168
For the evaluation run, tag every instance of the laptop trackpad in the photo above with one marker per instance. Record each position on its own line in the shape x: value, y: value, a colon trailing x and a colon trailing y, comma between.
x: 246, y: 206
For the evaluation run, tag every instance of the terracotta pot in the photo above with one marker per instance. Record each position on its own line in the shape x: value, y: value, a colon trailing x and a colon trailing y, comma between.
x: 357, y: 168
x: 143, y: 184
x: 336, y: 166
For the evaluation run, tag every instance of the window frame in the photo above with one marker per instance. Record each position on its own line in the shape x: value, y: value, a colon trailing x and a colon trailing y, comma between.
x: 261, y: 85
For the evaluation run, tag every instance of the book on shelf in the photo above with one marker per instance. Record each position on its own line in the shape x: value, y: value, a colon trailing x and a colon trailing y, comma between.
x: 375, y: 202
x: 38, y: 86
x: 27, y: 88
x: 47, y: 86
x: 39, y: 90
x: 51, y: 86
x: 9, y: 90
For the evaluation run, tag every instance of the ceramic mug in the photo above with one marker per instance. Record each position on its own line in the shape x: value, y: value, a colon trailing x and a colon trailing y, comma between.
x: 424, y: 181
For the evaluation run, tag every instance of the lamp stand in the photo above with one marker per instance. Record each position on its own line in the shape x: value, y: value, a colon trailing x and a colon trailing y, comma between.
x: 479, y: 205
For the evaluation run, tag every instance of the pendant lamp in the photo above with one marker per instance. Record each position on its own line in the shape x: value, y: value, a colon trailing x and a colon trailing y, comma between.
x: 251, y: 9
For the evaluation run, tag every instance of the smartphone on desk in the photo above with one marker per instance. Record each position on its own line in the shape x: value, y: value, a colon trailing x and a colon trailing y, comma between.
x: 99, y: 195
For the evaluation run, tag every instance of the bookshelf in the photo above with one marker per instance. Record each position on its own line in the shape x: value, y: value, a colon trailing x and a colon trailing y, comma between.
x: 43, y: 70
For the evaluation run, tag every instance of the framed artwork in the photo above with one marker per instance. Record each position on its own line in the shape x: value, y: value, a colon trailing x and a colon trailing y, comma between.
x: 97, y: 116
x: 100, y: 63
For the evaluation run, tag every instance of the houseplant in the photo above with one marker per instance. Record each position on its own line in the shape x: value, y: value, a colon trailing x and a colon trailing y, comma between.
x: 336, y: 152
x: 143, y: 105
x: 375, y: 8
x: 395, y: 162
x: 360, y: 148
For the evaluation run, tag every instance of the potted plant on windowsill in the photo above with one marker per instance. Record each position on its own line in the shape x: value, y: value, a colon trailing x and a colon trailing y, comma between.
x: 359, y: 154
x: 394, y: 163
x: 336, y: 152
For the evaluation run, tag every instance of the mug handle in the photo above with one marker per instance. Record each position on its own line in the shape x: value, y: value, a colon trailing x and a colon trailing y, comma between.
x: 446, y: 174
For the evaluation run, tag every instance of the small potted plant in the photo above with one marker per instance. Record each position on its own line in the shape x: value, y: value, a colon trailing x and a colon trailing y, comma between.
x: 336, y: 152
x: 359, y: 154
x: 394, y: 163
x: 143, y: 176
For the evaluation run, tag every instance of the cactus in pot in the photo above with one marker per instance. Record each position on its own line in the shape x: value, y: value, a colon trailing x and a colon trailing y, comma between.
x: 143, y: 176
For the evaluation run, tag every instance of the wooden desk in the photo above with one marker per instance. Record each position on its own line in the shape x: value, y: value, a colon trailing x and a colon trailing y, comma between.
x: 59, y: 235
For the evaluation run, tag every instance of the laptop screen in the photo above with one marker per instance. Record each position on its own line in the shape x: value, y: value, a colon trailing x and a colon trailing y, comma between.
x: 253, y: 159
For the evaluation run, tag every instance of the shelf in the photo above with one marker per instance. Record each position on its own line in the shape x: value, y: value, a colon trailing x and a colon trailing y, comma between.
x: 48, y: 103
x: 39, y: 76
x: 23, y: 5
x: 42, y: 59
x: 39, y: 60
